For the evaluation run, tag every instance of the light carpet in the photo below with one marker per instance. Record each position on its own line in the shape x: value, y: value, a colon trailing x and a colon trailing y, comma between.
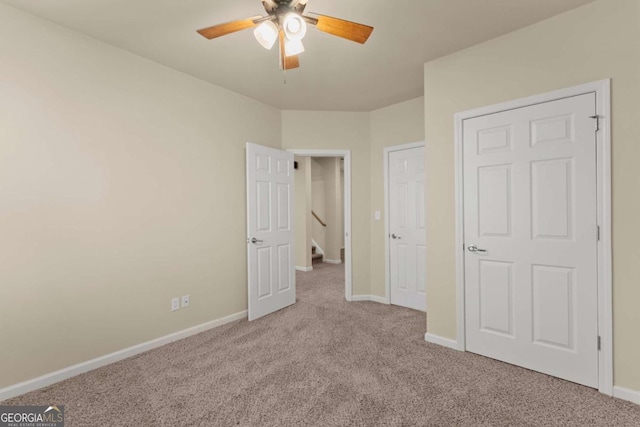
x: 324, y: 362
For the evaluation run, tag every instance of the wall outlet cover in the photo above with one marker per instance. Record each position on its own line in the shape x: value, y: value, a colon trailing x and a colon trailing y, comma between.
x: 185, y: 301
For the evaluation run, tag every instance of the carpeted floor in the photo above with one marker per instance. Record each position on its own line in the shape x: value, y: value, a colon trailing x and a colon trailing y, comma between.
x: 324, y: 362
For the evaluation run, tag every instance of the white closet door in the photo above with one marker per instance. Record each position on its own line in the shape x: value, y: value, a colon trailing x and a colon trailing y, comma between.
x: 530, y: 233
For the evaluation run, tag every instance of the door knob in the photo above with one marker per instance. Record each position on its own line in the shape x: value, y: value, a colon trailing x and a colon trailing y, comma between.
x: 474, y: 248
x: 255, y: 241
x: 393, y: 236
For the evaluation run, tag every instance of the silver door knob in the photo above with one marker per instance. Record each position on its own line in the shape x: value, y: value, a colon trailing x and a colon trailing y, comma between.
x: 474, y: 248
x: 393, y: 236
x: 255, y: 241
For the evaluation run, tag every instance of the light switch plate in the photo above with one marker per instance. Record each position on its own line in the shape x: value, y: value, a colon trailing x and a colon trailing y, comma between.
x: 376, y: 215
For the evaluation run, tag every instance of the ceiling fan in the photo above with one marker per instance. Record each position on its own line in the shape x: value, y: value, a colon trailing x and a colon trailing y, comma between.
x: 286, y: 23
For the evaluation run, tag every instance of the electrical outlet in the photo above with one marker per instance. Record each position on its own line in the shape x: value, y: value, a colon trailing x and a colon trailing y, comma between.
x: 185, y: 301
x: 175, y: 304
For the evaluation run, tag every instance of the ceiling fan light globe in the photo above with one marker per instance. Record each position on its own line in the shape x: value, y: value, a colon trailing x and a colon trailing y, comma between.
x: 266, y: 34
x: 294, y: 26
x: 293, y: 47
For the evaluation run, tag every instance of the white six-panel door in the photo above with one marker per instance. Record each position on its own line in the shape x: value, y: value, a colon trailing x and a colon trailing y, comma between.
x: 530, y: 233
x: 271, y: 266
x: 407, y: 235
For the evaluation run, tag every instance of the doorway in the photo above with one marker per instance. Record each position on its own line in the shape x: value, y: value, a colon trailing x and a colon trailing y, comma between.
x: 331, y: 220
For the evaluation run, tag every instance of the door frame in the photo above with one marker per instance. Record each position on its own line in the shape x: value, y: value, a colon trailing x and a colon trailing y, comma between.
x: 602, y: 90
x: 387, y: 248
x: 346, y: 155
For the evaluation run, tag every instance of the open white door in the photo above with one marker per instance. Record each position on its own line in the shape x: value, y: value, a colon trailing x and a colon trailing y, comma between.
x: 271, y: 267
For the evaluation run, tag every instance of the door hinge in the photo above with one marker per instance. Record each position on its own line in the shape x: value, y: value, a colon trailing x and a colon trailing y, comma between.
x: 463, y: 247
x: 599, y: 343
x: 598, y: 232
x: 597, y: 117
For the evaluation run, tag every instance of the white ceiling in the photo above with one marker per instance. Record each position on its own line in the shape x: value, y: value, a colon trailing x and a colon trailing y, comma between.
x: 335, y: 74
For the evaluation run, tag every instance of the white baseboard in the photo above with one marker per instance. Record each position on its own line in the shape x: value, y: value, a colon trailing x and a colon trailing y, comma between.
x: 81, y: 368
x: 374, y: 298
x: 626, y: 394
x: 305, y: 269
x: 332, y: 261
x: 445, y: 342
x: 618, y: 392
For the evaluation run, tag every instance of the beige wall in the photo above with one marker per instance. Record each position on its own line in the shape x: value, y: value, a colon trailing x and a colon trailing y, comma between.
x: 398, y: 124
x: 342, y: 205
x: 111, y: 200
x: 327, y: 204
x: 318, y: 203
x: 333, y: 197
x: 303, y: 212
x: 597, y: 41
x: 325, y: 130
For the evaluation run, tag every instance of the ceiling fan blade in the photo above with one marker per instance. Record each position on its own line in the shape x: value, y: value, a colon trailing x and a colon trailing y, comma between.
x: 228, y: 28
x: 291, y: 62
x: 346, y: 29
x: 287, y: 62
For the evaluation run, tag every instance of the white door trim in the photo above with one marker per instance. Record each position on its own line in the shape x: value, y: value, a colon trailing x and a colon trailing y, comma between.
x: 602, y: 89
x: 346, y: 155
x: 387, y: 249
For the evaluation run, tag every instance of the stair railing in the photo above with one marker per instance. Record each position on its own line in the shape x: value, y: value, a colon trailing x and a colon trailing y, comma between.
x: 318, y: 219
